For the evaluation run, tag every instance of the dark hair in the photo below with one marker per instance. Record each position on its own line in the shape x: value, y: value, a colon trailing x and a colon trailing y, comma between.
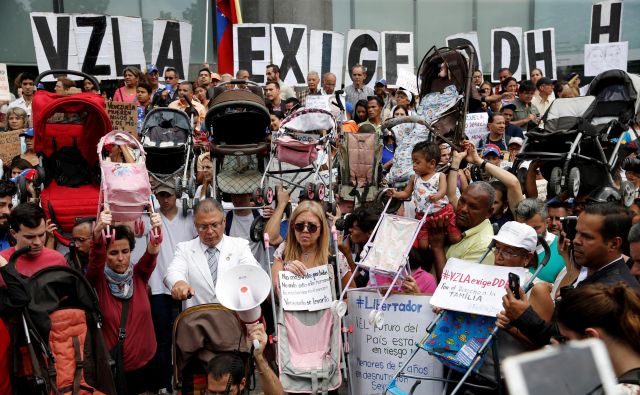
x: 377, y: 99
x: 20, y: 163
x: 366, y: 217
x: 526, y: 86
x: 293, y: 100
x: 402, y: 106
x: 206, y: 91
x: 276, y: 83
x: 123, y: 232
x: 275, y: 68
x: 420, y: 259
x: 187, y: 83
x: 428, y: 149
x: 204, y: 69
x: 499, y: 186
x: 506, y: 81
x: 492, y: 115
x: 503, y: 69
x: 634, y: 234
x: 30, y: 215
x: 227, y: 363
x: 7, y: 188
x: 616, y: 223
x: 361, y: 103
x: 145, y: 86
x: 277, y: 113
x: 26, y: 76
x: 613, y: 308
x: 172, y: 69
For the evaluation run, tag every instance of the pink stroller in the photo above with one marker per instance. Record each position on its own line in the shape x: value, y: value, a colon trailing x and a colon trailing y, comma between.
x: 124, y: 187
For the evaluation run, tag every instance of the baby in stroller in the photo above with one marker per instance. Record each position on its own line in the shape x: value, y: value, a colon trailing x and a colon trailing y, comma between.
x: 428, y: 188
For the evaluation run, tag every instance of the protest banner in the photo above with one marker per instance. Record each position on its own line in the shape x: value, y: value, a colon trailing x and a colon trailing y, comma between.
x: 54, y: 41
x: 540, y: 51
x: 362, y: 48
x: 506, y: 44
x: 127, y: 30
x: 606, y: 20
x: 325, y: 53
x: 171, y: 46
x: 289, y: 52
x: 10, y: 145
x: 376, y: 354
x: 475, y: 127
x: 94, y: 40
x: 462, y: 39
x: 602, y: 57
x: 5, y: 93
x: 309, y: 292
x: 252, y: 49
x: 397, y: 55
x: 123, y: 116
x: 474, y: 288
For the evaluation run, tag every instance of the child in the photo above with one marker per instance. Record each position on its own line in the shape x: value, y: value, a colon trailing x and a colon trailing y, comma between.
x: 428, y: 190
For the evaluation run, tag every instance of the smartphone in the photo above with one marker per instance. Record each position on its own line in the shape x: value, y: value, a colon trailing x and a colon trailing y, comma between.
x: 569, y: 226
x: 514, y: 284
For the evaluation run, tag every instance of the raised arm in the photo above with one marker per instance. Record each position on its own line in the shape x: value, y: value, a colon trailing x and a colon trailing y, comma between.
x: 452, y: 176
x: 272, y: 227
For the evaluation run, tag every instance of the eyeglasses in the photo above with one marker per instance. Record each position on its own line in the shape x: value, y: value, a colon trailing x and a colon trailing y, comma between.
x: 300, y: 226
x: 206, y: 227
x: 507, y: 254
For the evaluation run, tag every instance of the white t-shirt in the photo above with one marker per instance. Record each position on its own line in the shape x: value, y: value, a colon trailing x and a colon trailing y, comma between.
x: 241, y: 227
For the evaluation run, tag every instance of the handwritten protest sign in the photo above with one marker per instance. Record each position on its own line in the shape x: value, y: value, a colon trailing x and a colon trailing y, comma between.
x: 123, y: 116
x: 475, y: 127
x: 318, y: 101
x: 309, y: 292
x: 376, y: 354
x: 5, y: 94
x: 9, y: 145
x: 473, y: 287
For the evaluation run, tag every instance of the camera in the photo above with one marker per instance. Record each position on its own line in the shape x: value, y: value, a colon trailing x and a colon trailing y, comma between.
x: 569, y: 226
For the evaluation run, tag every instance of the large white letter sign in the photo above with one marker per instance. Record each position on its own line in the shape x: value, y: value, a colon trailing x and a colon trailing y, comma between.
x: 252, y: 49
x: 289, y: 52
x: 362, y: 47
x: 397, y: 54
x: 54, y: 41
x: 325, y: 53
x: 606, y: 19
x: 128, y: 46
x: 464, y: 39
x: 94, y: 39
x: 171, y: 46
x: 540, y: 51
x: 505, y: 51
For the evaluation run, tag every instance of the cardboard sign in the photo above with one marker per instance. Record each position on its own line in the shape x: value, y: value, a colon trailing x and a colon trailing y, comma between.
x: 171, y: 46
x: 123, y: 116
x: 506, y: 44
x: 289, y: 51
x: 397, y: 54
x: 377, y: 354
x: 9, y: 145
x: 5, y: 93
x: 309, y: 292
x: 475, y: 127
x: 540, y: 51
x: 325, y: 53
x: 362, y: 48
x: 463, y: 39
x: 252, y: 49
x: 602, y: 57
x: 474, y: 288
x: 606, y: 20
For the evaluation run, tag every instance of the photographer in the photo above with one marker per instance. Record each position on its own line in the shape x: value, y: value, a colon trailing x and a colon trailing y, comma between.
x: 631, y: 167
x: 600, y: 239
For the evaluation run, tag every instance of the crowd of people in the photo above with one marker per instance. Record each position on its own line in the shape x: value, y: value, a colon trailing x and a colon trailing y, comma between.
x: 588, y: 288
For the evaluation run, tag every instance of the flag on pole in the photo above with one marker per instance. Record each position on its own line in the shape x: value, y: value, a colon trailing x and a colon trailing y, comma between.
x: 227, y: 14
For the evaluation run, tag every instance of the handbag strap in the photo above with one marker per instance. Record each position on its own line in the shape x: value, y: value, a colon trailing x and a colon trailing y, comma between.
x: 122, y: 333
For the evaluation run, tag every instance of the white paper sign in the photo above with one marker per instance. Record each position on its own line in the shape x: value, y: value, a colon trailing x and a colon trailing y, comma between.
x: 506, y: 48
x: 602, y: 57
x: 55, y: 42
x: 397, y: 55
x: 468, y: 38
x: 171, y: 46
x: 309, y: 292
x: 5, y: 93
x: 289, y: 52
x: 363, y: 47
x: 95, y: 50
x: 252, y: 49
x: 606, y: 21
x: 475, y: 127
x: 129, y: 32
x: 318, y: 101
x: 408, y: 81
x: 540, y: 51
x: 377, y: 354
x: 474, y: 288
x: 325, y: 53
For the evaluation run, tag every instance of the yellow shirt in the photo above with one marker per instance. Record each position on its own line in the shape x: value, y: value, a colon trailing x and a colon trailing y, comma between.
x: 473, y: 245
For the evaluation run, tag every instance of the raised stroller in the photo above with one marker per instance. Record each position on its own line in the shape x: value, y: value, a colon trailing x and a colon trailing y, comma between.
x: 67, y: 130
x: 168, y: 141
x: 199, y: 333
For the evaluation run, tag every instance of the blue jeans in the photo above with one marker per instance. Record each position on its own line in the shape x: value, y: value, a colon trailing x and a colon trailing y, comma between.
x: 164, y: 311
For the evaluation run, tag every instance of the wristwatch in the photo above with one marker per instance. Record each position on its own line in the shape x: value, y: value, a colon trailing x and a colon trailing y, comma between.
x: 483, y: 164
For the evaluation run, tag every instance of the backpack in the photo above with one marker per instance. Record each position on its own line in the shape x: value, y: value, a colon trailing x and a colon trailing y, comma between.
x: 70, y: 168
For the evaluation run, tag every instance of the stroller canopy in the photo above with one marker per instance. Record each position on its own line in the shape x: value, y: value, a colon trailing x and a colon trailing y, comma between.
x: 617, y: 94
x: 309, y: 120
x: 237, y: 116
x: 458, y: 74
x: 566, y: 115
x: 165, y: 127
x: 166, y: 117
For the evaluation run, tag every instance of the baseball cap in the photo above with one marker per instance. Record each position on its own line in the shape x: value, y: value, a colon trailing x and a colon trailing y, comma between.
x: 381, y: 82
x: 543, y: 81
x: 490, y: 149
x: 151, y: 68
x: 509, y: 106
x: 27, y: 133
x: 517, y: 235
x: 215, y: 76
x: 571, y: 75
x: 165, y: 188
x: 516, y: 140
x: 406, y: 92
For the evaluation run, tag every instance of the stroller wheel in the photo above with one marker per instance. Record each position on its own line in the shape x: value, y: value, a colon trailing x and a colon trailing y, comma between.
x: 256, y: 231
x: 258, y: 197
x: 376, y: 318
x: 320, y: 191
x: 627, y: 191
x: 185, y: 207
x: 339, y: 307
x: 554, y: 187
x: 310, y: 189
x: 191, y: 188
x: 267, y: 195
x: 178, y: 187
x: 573, y: 182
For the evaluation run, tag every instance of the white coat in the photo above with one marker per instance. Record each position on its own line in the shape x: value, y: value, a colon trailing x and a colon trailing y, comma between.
x: 189, y: 264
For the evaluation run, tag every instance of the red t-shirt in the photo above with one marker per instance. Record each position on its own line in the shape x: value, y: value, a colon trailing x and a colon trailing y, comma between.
x: 5, y: 354
x: 140, y: 341
x: 27, y: 265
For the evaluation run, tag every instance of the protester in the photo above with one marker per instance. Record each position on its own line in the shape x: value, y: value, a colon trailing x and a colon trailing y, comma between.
x: 17, y: 119
x: 242, y: 75
x: 186, y: 102
x: 359, y: 114
x: 273, y: 75
x: 202, y: 95
x: 88, y: 86
x: 313, y: 87
x: 511, y: 130
x: 374, y: 114
x: 543, y: 99
x: 496, y: 134
x: 328, y: 83
x: 25, y: 80
x: 358, y: 90
x: 63, y: 84
x: 170, y: 92
x: 7, y: 191
x: 526, y: 114
x: 127, y: 93
x: 477, y: 78
x: 555, y: 212
x: 78, y: 255
x: 204, y: 78
x: 121, y: 287
x: 535, y: 75
x: 273, y: 97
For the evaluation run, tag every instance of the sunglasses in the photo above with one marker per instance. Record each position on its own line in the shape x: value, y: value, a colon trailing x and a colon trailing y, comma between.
x: 300, y: 227
x: 169, y: 78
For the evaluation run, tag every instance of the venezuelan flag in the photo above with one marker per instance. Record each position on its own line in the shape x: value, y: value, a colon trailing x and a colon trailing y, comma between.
x: 227, y: 14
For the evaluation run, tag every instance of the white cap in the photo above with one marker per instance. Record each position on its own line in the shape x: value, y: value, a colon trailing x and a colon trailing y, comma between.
x: 516, y: 140
x: 517, y: 235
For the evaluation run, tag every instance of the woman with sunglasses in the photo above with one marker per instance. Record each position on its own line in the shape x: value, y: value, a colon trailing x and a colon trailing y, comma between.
x: 610, y: 313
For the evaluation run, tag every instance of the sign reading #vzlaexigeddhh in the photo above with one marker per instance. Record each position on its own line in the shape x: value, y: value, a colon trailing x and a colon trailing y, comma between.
x: 474, y: 288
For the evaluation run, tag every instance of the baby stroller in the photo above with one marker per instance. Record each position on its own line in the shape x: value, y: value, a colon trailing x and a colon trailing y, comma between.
x: 199, y: 333
x: 384, y: 261
x: 125, y: 189
x: 581, y: 136
x: 460, y: 341
x: 304, y: 146
x: 167, y: 139
x: 67, y: 131
x: 446, y: 96
x: 59, y: 344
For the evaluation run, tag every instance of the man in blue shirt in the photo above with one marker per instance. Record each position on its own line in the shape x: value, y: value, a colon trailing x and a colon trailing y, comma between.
x: 7, y: 190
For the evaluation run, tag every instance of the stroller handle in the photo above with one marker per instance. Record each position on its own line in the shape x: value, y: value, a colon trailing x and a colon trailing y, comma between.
x: 93, y: 79
x: 238, y: 82
x: 17, y: 254
x: 547, y: 255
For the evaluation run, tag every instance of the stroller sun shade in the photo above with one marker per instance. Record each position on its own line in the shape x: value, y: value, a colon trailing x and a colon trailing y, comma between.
x: 309, y: 120
x: 237, y: 117
x: 165, y: 127
x: 566, y: 114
